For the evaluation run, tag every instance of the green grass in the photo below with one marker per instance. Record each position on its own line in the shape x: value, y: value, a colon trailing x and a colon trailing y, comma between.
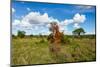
x: 35, y: 51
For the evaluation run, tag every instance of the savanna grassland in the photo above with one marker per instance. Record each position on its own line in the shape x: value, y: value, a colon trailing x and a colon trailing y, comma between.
x: 35, y: 50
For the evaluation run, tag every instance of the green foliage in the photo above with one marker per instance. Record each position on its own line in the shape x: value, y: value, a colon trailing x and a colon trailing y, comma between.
x: 78, y: 31
x: 65, y: 40
x: 31, y: 35
x: 21, y: 34
x: 13, y: 36
x: 42, y: 41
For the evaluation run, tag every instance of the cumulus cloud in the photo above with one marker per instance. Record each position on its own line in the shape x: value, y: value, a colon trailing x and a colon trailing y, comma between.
x: 66, y: 22
x: 78, y: 18
x: 76, y: 25
x: 36, y: 18
x: 38, y: 21
x: 16, y: 22
x: 20, y: 23
x: 76, y: 21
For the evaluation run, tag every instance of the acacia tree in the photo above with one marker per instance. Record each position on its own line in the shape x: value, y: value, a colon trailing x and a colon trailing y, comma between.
x: 78, y: 31
x: 21, y: 34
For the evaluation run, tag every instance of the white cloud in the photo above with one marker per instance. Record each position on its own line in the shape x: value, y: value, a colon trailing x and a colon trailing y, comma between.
x: 16, y: 22
x: 78, y: 18
x: 25, y: 24
x: 36, y: 21
x: 13, y: 10
x: 66, y: 22
x: 36, y: 27
x: 21, y: 23
x: 51, y: 19
x: 36, y: 18
x: 61, y: 28
x: 76, y: 25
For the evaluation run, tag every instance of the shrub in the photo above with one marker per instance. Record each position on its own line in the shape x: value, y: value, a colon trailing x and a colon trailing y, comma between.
x: 31, y: 35
x: 21, y: 34
x: 13, y: 36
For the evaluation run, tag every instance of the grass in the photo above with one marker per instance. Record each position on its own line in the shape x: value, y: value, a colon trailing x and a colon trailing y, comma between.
x: 36, y: 51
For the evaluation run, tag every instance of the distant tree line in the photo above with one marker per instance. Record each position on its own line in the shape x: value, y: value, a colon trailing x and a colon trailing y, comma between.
x: 77, y: 33
x: 20, y: 34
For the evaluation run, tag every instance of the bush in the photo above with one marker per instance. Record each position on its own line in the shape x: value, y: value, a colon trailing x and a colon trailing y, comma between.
x: 31, y: 35
x: 42, y: 41
x: 65, y: 39
x: 21, y: 34
x: 13, y: 36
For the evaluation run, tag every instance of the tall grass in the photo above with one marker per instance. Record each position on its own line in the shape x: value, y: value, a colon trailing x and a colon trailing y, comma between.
x: 36, y: 51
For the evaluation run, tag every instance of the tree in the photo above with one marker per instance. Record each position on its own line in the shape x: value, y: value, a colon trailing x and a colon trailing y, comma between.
x: 31, y: 35
x: 78, y: 31
x: 21, y: 34
x: 13, y: 35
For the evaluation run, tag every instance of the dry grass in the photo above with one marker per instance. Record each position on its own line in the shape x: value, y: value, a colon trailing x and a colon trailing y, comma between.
x: 34, y: 51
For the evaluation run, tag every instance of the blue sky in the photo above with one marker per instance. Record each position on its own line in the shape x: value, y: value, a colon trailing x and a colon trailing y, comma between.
x: 34, y: 17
